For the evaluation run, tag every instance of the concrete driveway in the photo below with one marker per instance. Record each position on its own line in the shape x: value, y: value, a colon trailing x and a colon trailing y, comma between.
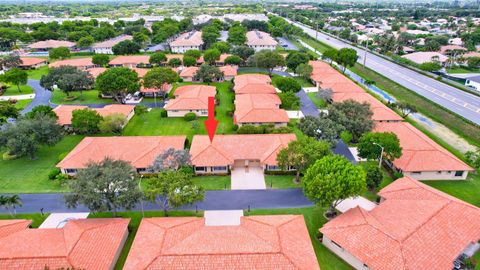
x: 247, y: 178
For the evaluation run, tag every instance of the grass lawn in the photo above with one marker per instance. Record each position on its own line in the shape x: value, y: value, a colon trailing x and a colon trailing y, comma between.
x: 37, y: 219
x: 210, y: 182
x: 320, y: 103
x: 21, y: 104
x: 36, y: 74
x: 315, y: 44
x: 314, y: 220
x: 462, y: 70
x: 31, y: 176
x: 281, y: 181
x: 135, y: 218
x: 13, y: 90
x: 88, y: 97
x: 303, y: 82
x: 464, y: 190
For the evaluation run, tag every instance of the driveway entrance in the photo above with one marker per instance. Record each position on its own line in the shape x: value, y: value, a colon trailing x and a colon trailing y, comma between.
x: 247, y: 175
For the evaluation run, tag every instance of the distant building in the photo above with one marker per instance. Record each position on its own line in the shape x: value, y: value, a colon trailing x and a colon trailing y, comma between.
x: 187, y: 41
x: 46, y: 45
x: 105, y: 47
x: 80, y: 63
x: 424, y: 57
x: 259, y: 40
x: 32, y: 62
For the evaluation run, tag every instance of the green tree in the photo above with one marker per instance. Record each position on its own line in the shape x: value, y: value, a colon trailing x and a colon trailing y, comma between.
x: 193, y: 53
x: 77, y: 81
x: 140, y: 38
x: 296, y: 58
x: 304, y: 71
x: 172, y: 189
x: 61, y: 75
x: 302, y: 153
x: 222, y: 46
x: 126, y: 47
x: 157, y: 58
x: 321, y: 128
x: 85, y: 42
x: 86, y: 121
x: 104, y: 186
x: 243, y: 52
x: 355, y: 117
x: 7, y: 110
x: 473, y: 62
x: 112, y: 123
x: 374, y: 176
x: 100, y: 59
x: 430, y: 66
x: 330, y: 54
x: 15, y: 76
x: 189, y: 61
x: 473, y: 157
x: 10, y: 61
x: 405, y: 108
x: 59, y: 53
x: 346, y: 57
x: 157, y: 78
x: 332, y: 179
x: 10, y: 203
x: 208, y: 74
x: 41, y: 109
x: 171, y: 160
x: 233, y: 60
x: 210, y: 34
x: 118, y: 82
x: 287, y: 84
x: 237, y: 35
x: 290, y: 101
x: 212, y: 55
x: 267, y: 59
x: 175, y: 62
x: 369, y: 145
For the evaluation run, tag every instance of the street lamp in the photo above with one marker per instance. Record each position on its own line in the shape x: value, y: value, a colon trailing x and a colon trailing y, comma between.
x: 381, y: 155
x: 141, y: 199
x: 366, y: 51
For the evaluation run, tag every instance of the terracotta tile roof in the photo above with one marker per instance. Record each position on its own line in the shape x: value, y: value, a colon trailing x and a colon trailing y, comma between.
x: 255, y: 89
x: 471, y: 54
x: 259, y: 108
x: 81, y: 244
x: 416, y: 227
x: 380, y: 111
x: 245, y: 79
x: 447, y: 48
x: 423, y: 57
x: 77, y: 62
x: 225, y: 149
x: 259, y: 242
x: 141, y: 71
x: 64, y: 112
x: 130, y: 60
x: 191, y: 97
x: 49, y: 44
x: 420, y: 153
x: 11, y: 226
x: 112, y: 42
x: 188, y: 39
x: 188, y: 72
x: 223, y: 56
x: 140, y: 151
x: 229, y: 71
x: 96, y: 71
x: 259, y: 38
x: 30, y: 61
x: 172, y: 56
x: 165, y: 88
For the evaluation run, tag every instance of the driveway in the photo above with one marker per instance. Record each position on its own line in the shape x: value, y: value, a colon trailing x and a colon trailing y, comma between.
x: 308, y: 107
x: 42, y: 96
x: 247, y: 178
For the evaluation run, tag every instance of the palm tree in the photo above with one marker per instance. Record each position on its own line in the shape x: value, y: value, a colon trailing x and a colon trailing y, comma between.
x: 10, y: 203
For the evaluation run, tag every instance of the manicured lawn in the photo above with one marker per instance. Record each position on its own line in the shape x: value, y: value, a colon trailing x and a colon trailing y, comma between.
x: 320, y: 103
x: 87, y: 97
x: 462, y: 70
x: 37, y: 219
x: 21, y: 104
x: 212, y: 182
x: 135, y: 219
x: 36, y: 74
x: 13, y: 90
x: 314, y: 220
x: 303, y: 82
x: 281, y: 181
x: 24, y: 175
x: 465, y: 190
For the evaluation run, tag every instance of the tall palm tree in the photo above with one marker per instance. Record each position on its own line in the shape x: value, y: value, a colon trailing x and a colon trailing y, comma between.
x: 11, y: 203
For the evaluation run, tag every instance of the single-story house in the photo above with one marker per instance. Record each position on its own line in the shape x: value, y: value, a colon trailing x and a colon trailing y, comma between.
x: 32, y: 62
x: 130, y: 61
x: 259, y: 40
x: 255, y: 242
x: 259, y: 109
x: 64, y: 112
x: 141, y: 71
x: 155, y: 92
x: 424, y: 57
x: 80, y: 63
x: 190, y: 98
x: 229, y: 72
x: 253, y: 84
x: 221, y: 61
x: 447, y: 49
x: 244, y: 79
x: 105, y: 47
x: 187, y: 41
x: 415, y: 226
x: 140, y: 151
x: 188, y: 73
x: 422, y: 158
x: 381, y: 113
x: 75, y: 246
x: 473, y: 82
x: 96, y: 71
x: 230, y: 152
x: 46, y: 45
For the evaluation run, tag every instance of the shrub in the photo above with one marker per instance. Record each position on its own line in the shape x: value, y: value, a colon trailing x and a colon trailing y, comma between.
x: 397, y: 175
x: 247, y: 129
x: 163, y: 113
x: 374, y: 176
x: 235, y: 127
x: 283, y: 130
x: 140, y: 109
x: 286, y: 84
x: 7, y: 156
x: 346, y: 136
x: 112, y: 123
x: 53, y: 173
x: 190, y: 117
x: 187, y: 170
x: 62, y: 179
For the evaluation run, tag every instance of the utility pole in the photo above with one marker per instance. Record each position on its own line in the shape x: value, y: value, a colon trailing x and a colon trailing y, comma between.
x: 366, y: 51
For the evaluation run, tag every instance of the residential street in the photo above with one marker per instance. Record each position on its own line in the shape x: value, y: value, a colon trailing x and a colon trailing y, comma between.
x: 214, y: 200
x: 464, y: 104
x: 42, y: 96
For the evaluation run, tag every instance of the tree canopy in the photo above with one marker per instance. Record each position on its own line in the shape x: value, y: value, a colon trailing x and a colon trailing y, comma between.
x: 369, y: 145
x: 355, y: 117
x: 208, y: 74
x: 118, y: 82
x: 267, y: 59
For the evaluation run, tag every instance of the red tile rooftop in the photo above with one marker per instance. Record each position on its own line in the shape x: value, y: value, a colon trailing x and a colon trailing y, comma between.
x: 78, y: 62
x: 30, y: 61
x: 81, y: 244
x: 416, y: 227
x: 49, y: 44
x: 64, y: 112
x: 130, y: 60
x: 191, y: 97
x: 380, y: 111
x: 259, y: 242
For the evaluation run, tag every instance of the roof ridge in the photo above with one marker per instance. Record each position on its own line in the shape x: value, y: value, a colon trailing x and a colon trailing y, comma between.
x: 68, y: 157
x: 85, y: 230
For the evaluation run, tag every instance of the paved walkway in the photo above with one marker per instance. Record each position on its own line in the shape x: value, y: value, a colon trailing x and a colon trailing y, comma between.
x: 214, y: 200
x: 308, y: 107
x: 58, y: 220
x: 353, y: 202
x: 17, y: 97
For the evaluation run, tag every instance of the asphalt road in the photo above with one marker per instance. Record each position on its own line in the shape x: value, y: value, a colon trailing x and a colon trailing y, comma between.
x: 42, y: 96
x: 214, y: 200
x: 462, y: 103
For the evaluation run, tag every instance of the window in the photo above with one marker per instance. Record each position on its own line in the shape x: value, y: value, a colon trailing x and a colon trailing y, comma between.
x: 220, y: 168
x: 200, y: 169
x: 417, y: 173
x: 439, y: 172
x: 459, y: 173
x: 273, y: 168
x: 70, y: 170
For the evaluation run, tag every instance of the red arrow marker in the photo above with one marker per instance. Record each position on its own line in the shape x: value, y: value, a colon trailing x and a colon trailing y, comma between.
x: 211, y: 124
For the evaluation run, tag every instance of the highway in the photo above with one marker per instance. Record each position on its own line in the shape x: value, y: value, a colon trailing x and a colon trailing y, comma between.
x: 460, y: 102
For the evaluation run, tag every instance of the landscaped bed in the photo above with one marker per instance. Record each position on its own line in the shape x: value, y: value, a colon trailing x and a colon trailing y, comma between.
x: 87, y: 97
x: 320, y: 103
